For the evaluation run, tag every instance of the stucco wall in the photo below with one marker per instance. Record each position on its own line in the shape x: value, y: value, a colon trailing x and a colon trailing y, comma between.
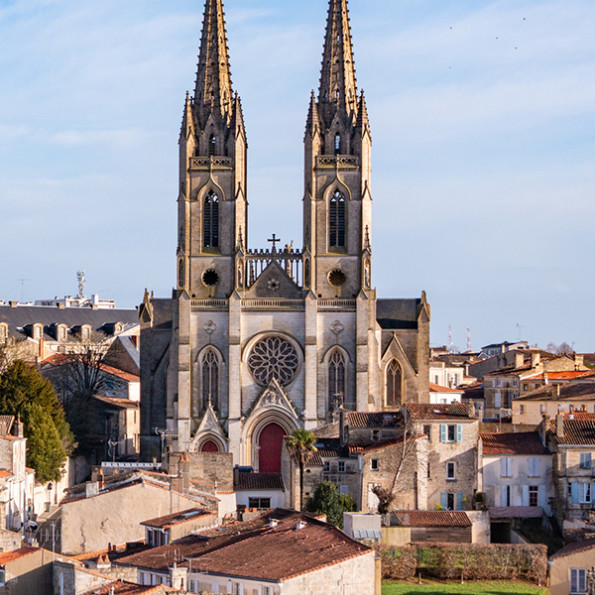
x: 91, y: 524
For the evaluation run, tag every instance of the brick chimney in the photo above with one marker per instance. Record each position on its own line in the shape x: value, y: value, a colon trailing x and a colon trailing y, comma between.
x: 519, y: 359
x: 535, y: 359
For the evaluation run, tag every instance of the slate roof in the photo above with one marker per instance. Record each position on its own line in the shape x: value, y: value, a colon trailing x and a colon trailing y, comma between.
x: 577, y: 431
x: 259, y: 551
x: 178, y: 518
x: 512, y: 443
x: 21, y: 316
x: 398, y: 314
x: 429, y: 518
x: 258, y: 481
x: 448, y: 411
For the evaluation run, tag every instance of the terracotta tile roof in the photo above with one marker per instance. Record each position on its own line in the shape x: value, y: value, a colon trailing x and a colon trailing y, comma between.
x: 574, y: 548
x: 437, y: 412
x: 436, y: 388
x: 7, y: 557
x: 512, y: 443
x: 257, y: 550
x: 284, y: 551
x: 578, y: 390
x: 357, y: 419
x: 125, y: 588
x: 259, y: 481
x: 566, y: 375
x: 429, y: 518
x: 4, y: 474
x: 580, y: 430
x: 186, y: 516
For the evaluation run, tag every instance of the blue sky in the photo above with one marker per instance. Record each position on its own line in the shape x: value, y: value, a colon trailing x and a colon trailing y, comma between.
x: 483, y: 121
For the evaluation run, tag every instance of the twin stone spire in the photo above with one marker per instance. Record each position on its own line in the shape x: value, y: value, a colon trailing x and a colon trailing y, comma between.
x: 338, y: 100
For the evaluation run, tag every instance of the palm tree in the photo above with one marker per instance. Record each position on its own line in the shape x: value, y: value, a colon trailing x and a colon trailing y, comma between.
x: 301, y: 446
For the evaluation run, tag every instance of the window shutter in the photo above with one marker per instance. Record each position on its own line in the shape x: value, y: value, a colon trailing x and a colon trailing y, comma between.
x: 459, y: 433
x: 541, y: 496
x: 443, y: 432
x: 574, y: 492
x: 460, y: 501
x: 525, y: 495
x: 537, y: 467
x: 444, y: 500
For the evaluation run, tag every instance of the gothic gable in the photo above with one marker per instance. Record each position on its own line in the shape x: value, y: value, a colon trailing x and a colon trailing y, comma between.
x: 274, y: 397
x: 274, y: 283
x: 209, y: 427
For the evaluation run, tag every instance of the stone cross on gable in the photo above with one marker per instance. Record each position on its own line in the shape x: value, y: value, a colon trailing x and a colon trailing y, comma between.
x: 274, y: 241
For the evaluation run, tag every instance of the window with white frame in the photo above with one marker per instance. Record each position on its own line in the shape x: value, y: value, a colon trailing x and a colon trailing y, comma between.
x: 506, y: 466
x: 533, y: 495
x: 534, y: 467
x: 585, y: 460
x: 450, y: 471
x: 343, y: 490
x: 578, y: 580
x: 584, y: 493
x: 327, y: 467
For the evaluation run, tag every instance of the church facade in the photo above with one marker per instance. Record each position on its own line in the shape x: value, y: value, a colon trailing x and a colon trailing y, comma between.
x: 257, y: 342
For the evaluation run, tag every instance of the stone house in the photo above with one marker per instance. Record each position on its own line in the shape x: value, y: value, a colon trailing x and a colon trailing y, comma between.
x: 17, y: 481
x: 281, y: 552
x: 259, y: 490
x: 515, y: 469
x: 571, y: 437
x: 417, y: 526
x: 570, y: 567
x: 96, y: 514
x: 552, y: 398
x: 25, y: 571
x: 452, y: 433
x: 503, y: 386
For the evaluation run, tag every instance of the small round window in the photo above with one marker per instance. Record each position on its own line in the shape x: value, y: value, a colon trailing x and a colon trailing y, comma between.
x: 336, y: 278
x: 210, y: 278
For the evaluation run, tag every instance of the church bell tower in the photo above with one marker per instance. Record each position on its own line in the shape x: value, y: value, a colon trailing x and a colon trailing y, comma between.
x: 337, y: 201
x: 212, y: 206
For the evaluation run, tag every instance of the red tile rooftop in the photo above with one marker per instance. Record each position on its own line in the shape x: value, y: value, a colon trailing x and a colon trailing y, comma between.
x: 512, y: 443
x: 436, y: 388
x: 124, y: 588
x: 8, y: 557
x: 429, y: 518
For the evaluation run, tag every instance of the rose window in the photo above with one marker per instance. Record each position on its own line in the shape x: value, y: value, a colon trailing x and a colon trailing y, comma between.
x: 273, y: 357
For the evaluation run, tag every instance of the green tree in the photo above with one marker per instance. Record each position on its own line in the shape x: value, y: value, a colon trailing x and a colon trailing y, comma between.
x: 301, y: 445
x: 327, y: 500
x: 24, y: 393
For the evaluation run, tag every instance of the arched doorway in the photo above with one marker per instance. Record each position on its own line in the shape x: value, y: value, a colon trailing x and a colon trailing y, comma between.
x: 209, y: 446
x: 270, y: 443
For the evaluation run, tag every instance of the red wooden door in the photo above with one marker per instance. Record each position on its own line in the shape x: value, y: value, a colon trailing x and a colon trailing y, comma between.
x: 209, y: 446
x: 271, y: 443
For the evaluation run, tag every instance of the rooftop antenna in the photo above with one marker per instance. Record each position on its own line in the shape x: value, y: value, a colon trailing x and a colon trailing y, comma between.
x: 520, y: 328
x: 22, y: 282
x: 450, y: 343
x: 468, y: 339
x: 80, y: 275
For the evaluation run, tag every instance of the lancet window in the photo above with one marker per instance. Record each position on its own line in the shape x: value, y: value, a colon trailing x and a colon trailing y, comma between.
x: 210, y: 379
x: 394, y: 384
x: 336, y: 379
x: 337, y: 221
x: 211, y: 221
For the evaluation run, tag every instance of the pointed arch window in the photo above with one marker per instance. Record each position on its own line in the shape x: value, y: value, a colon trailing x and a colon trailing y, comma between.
x: 210, y: 379
x: 212, y: 145
x: 211, y: 221
x: 336, y: 380
x: 337, y: 143
x: 394, y: 385
x: 337, y: 221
